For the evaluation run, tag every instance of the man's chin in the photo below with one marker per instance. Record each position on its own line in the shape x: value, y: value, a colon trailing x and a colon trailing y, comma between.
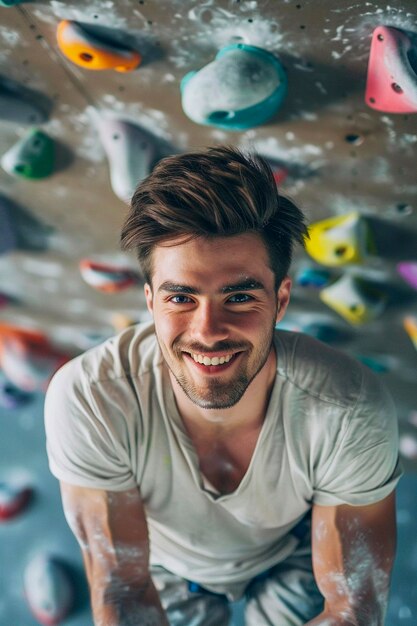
x: 214, y: 393
x: 213, y: 403
x: 217, y: 397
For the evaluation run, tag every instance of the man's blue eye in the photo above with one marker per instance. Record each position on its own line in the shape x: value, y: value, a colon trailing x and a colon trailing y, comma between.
x: 240, y: 297
x: 180, y: 299
x: 236, y: 298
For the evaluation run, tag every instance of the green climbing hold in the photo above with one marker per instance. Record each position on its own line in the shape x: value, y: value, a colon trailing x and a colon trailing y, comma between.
x: 31, y: 157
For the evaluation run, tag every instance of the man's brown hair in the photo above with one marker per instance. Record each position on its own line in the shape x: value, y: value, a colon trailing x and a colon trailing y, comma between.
x: 218, y: 192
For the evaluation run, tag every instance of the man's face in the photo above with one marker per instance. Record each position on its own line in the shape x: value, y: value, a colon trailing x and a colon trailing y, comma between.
x: 215, y: 308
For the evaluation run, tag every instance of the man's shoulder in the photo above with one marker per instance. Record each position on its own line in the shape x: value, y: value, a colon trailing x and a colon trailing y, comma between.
x: 320, y: 370
x: 131, y: 353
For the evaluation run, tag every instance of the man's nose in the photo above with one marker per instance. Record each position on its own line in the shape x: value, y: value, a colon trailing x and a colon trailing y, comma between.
x: 209, y: 323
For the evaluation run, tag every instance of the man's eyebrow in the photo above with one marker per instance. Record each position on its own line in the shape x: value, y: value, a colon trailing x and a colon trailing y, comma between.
x: 248, y: 284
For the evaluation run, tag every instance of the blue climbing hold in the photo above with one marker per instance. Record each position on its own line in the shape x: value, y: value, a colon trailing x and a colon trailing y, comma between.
x: 11, y: 397
x: 312, y: 277
x: 243, y: 87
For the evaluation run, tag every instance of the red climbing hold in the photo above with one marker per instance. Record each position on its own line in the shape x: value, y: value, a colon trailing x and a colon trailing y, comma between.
x: 28, y: 358
x: 392, y: 72
x: 280, y: 175
x: 107, y: 278
x: 13, y: 498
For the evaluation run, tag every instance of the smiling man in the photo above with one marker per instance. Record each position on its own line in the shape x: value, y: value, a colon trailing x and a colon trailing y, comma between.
x: 206, y: 456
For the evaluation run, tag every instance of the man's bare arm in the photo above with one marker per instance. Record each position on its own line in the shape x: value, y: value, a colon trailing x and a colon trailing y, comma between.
x: 353, y: 554
x: 112, y: 532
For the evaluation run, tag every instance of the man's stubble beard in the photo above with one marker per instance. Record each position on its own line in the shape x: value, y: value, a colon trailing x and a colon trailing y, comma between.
x: 220, y: 395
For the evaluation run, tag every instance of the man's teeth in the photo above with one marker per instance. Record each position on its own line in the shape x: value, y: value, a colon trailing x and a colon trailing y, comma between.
x: 216, y: 360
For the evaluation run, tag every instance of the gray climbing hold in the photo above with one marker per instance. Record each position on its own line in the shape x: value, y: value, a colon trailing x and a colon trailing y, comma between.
x: 21, y: 105
x: 8, y: 239
x: 48, y: 589
x: 21, y: 230
x: 131, y: 152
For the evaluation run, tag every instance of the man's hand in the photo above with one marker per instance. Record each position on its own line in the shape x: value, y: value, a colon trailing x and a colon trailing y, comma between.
x: 112, y: 531
x: 353, y: 553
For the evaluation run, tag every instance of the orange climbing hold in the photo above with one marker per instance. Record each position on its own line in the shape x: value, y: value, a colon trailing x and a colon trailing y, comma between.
x: 410, y: 326
x: 392, y: 79
x: 87, y: 50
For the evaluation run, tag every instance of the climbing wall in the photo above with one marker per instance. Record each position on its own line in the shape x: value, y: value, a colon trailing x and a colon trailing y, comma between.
x: 92, y: 95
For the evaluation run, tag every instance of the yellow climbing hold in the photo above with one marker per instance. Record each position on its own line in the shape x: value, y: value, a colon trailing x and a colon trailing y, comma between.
x: 356, y: 300
x: 339, y: 240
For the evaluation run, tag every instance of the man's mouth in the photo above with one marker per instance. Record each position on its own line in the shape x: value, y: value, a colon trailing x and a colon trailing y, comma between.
x: 213, y: 363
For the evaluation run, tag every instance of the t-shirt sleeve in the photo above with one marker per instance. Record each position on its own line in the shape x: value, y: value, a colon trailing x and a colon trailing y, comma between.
x: 88, y: 436
x: 365, y: 466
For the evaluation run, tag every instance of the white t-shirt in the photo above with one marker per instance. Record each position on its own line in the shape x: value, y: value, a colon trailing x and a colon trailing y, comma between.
x: 329, y: 437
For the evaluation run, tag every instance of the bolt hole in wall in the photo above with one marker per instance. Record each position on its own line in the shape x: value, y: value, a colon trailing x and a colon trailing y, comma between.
x: 403, y: 209
x: 354, y: 139
x: 217, y: 116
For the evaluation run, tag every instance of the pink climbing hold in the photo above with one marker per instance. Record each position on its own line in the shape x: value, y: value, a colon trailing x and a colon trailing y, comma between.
x: 392, y: 73
x: 13, y: 499
x: 408, y: 270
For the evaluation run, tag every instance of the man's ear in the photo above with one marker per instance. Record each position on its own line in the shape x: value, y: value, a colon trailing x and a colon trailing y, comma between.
x: 149, y: 297
x: 283, y: 297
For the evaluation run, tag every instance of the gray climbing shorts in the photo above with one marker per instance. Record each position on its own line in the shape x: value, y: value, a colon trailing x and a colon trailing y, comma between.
x: 285, y: 595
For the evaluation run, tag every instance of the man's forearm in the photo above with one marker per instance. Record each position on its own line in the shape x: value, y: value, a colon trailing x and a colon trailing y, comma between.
x: 347, y: 618
x: 325, y: 619
x: 127, y: 605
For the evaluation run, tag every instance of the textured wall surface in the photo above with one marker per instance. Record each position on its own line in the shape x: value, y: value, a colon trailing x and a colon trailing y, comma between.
x: 339, y: 154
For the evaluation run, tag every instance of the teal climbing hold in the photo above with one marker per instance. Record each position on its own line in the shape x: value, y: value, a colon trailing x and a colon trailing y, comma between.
x: 31, y: 157
x: 243, y: 87
x: 10, y: 3
x: 377, y: 365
